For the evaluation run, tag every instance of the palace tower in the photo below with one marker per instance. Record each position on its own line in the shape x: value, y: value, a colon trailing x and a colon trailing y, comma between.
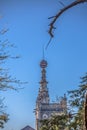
x: 44, y: 108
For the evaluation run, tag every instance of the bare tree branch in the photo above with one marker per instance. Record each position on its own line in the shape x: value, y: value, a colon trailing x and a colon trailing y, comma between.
x: 55, y: 18
x: 61, y: 3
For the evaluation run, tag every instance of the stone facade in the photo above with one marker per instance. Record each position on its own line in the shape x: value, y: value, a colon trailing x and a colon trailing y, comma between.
x: 45, y: 109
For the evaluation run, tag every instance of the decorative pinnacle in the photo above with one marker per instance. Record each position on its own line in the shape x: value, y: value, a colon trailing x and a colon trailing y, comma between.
x: 43, y: 64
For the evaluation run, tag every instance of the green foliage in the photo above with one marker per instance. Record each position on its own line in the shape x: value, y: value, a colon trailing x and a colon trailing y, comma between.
x: 77, y: 96
x: 56, y: 122
x: 77, y: 99
x: 3, y: 119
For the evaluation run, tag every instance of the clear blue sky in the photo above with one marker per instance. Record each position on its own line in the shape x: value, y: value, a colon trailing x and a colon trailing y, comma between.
x: 28, y: 22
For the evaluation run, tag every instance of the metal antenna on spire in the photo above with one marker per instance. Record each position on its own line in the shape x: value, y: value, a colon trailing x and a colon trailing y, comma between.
x: 43, y: 52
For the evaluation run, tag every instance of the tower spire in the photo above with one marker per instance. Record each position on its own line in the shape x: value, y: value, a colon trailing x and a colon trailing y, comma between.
x: 43, y: 65
x: 43, y: 96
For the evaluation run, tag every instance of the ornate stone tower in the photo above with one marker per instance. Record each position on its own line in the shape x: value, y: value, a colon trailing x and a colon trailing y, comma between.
x: 45, y: 109
x: 43, y: 96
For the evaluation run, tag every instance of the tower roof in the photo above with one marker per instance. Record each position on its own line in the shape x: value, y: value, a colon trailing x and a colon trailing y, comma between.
x: 28, y: 128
